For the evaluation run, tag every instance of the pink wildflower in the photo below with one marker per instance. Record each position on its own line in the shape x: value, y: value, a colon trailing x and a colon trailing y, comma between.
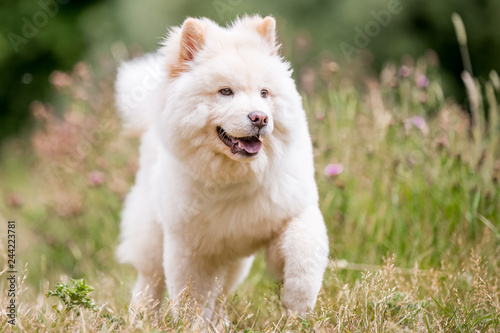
x: 404, y: 71
x: 14, y: 200
x: 95, y: 178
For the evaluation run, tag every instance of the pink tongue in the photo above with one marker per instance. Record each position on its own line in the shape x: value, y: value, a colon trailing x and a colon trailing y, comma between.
x: 251, y: 146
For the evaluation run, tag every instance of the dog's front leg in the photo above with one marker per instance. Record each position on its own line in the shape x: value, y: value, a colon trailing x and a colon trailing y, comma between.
x: 299, y: 256
x: 192, y: 277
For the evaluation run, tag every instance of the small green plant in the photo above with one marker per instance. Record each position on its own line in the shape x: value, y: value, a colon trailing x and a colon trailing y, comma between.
x: 73, y: 295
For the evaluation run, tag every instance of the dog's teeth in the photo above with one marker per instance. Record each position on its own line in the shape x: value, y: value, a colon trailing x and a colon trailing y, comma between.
x: 239, y: 145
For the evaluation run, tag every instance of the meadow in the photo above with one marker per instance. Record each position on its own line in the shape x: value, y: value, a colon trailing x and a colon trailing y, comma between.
x: 409, y: 189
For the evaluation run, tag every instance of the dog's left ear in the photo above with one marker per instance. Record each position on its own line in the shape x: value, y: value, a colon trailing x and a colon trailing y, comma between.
x: 267, y: 30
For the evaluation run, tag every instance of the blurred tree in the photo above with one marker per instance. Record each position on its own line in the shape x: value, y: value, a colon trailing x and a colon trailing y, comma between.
x: 36, y: 37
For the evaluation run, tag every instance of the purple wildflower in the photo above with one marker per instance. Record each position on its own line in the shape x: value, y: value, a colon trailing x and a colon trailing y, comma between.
x: 422, y: 81
x: 334, y: 169
x: 418, y: 122
x: 404, y: 71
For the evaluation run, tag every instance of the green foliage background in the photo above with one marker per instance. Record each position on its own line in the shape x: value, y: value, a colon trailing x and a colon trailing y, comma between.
x: 87, y: 29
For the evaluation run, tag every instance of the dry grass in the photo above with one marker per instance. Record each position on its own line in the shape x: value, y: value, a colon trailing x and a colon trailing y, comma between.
x: 414, y: 218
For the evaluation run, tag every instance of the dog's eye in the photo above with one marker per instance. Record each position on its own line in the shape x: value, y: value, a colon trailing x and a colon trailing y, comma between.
x: 226, y: 92
x: 264, y: 93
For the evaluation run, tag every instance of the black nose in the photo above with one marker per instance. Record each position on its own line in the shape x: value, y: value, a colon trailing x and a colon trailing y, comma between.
x: 258, y: 118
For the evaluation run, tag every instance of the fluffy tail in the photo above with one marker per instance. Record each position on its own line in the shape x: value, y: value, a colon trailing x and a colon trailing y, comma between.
x: 139, y: 85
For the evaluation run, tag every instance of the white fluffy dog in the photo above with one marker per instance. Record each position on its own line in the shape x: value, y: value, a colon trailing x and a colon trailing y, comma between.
x: 226, y: 167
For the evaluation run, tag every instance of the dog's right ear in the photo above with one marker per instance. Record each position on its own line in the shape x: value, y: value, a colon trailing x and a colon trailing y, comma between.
x: 192, y: 38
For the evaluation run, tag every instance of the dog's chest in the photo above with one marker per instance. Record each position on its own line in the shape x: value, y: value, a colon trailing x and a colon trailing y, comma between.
x: 229, y: 222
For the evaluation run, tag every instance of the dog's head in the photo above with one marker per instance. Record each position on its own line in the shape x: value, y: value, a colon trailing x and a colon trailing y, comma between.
x: 231, y: 101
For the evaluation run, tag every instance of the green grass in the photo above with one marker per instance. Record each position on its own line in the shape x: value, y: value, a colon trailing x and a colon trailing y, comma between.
x: 413, y: 220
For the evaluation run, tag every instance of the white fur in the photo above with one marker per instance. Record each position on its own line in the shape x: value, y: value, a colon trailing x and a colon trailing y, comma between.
x: 198, y: 212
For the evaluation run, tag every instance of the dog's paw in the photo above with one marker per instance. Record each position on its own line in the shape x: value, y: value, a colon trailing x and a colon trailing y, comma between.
x: 298, y: 303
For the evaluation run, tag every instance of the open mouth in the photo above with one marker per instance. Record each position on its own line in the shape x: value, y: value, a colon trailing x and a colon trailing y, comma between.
x: 245, y: 146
